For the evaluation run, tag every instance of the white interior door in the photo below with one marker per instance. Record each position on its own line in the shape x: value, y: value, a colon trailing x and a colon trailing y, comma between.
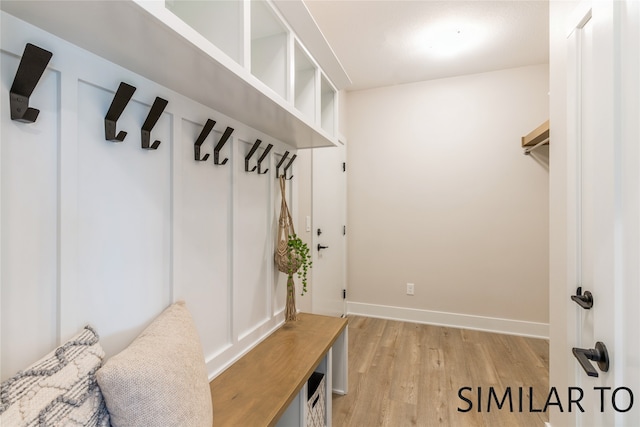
x: 329, y: 228
x: 604, y: 217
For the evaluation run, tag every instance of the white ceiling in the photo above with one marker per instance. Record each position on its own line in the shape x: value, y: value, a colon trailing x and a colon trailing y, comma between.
x: 377, y: 41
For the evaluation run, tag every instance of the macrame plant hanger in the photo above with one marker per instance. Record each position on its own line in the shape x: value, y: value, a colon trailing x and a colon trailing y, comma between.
x: 284, y: 261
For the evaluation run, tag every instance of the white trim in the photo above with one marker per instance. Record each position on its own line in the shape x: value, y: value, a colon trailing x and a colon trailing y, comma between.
x: 453, y: 320
x: 68, y: 163
x: 579, y: 17
x: 220, y: 361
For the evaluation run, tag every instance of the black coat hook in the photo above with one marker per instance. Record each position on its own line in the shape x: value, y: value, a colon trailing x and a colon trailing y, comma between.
x: 32, y: 65
x: 203, y: 135
x: 250, y: 154
x: 264, y: 155
x: 223, y: 140
x: 154, y: 114
x: 280, y: 163
x: 120, y: 100
x: 284, y: 172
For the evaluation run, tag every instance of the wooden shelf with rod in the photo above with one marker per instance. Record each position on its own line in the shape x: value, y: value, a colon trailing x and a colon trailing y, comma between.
x: 536, y: 138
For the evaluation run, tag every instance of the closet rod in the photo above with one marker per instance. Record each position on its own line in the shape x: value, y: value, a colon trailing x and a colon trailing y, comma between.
x: 528, y: 150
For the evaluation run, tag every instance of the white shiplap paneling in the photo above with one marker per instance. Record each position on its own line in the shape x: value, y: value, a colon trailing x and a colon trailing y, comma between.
x: 109, y: 234
x: 124, y: 214
x: 206, y: 236
x: 29, y: 209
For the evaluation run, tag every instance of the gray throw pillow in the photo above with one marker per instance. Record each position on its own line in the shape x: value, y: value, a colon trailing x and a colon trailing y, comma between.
x: 58, y: 390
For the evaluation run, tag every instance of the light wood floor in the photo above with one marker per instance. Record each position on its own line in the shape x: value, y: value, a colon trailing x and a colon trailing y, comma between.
x: 407, y: 374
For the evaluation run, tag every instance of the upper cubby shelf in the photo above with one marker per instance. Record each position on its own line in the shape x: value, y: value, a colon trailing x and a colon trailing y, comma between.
x: 305, y: 97
x: 327, y: 106
x: 217, y: 21
x: 269, y: 43
x: 233, y: 56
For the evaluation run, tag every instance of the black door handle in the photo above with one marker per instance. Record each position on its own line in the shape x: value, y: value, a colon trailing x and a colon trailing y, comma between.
x: 598, y: 354
x: 320, y: 247
x: 584, y: 300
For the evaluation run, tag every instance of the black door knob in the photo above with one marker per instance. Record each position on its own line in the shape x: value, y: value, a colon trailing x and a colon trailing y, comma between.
x: 598, y: 354
x: 320, y: 247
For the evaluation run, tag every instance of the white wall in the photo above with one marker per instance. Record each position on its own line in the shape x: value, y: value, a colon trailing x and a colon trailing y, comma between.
x: 109, y: 234
x: 441, y: 195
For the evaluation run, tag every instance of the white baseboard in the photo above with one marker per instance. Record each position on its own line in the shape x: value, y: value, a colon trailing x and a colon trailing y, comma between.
x: 453, y: 320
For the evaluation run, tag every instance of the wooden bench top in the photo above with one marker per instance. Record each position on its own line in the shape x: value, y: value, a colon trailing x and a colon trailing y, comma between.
x: 258, y: 388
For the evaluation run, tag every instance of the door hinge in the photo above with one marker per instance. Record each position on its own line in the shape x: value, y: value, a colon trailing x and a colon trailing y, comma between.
x: 344, y: 230
x: 344, y: 166
x: 344, y: 294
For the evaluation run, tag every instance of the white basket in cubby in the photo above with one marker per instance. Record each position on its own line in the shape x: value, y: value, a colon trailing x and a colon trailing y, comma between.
x: 316, y: 401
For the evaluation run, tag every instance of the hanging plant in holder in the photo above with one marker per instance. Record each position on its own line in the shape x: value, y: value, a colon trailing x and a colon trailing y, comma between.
x: 292, y: 255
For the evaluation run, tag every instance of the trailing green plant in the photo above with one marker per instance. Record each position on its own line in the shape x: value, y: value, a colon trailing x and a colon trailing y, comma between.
x: 299, y: 260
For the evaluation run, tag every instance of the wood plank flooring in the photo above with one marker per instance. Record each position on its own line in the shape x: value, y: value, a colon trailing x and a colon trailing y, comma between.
x: 407, y: 374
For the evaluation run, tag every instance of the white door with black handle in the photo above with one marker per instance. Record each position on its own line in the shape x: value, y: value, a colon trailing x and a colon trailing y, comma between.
x: 603, y: 178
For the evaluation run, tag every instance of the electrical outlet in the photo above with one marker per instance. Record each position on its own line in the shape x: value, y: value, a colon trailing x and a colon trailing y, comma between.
x: 410, y: 288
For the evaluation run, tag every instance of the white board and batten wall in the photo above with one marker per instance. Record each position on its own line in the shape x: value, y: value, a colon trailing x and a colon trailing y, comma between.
x: 108, y: 234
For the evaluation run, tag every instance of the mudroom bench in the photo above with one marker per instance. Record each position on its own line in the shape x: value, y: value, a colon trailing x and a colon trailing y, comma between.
x: 268, y: 386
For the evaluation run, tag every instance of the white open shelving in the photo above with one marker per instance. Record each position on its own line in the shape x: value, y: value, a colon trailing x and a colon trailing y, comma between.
x: 269, y: 53
x: 217, y: 21
x: 327, y: 106
x: 305, y: 98
x: 239, y: 57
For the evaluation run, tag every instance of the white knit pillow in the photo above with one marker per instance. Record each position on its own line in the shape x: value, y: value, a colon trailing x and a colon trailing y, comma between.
x: 58, y: 390
x: 161, y: 378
